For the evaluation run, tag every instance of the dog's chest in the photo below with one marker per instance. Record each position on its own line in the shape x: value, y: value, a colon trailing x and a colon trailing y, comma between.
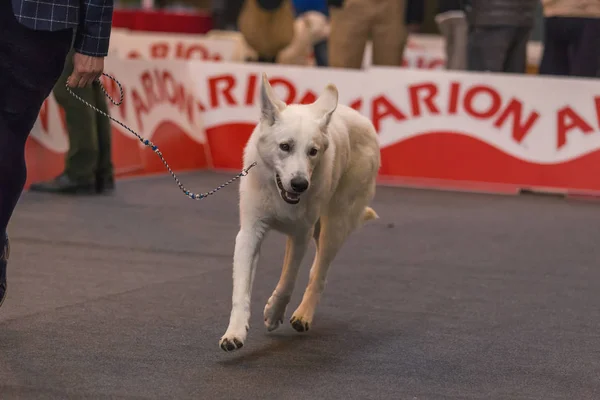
x: 289, y: 214
x: 292, y: 218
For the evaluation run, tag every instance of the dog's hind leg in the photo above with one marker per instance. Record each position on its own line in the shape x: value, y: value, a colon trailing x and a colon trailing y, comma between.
x: 245, y: 260
x: 334, y: 229
x: 294, y: 253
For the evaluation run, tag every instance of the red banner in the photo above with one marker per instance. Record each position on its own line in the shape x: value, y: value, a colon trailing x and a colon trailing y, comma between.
x: 444, y: 129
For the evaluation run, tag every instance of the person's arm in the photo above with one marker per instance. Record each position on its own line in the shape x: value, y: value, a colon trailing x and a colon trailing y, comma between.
x: 91, y: 41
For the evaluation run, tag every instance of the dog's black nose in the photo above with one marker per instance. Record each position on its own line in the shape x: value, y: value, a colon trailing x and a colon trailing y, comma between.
x: 299, y: 184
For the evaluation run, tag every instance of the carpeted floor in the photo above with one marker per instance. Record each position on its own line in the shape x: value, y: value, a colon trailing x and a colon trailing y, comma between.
x: 447, y: 296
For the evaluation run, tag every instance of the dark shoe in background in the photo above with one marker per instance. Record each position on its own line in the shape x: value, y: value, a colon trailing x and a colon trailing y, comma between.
x: 4, y: 254
x: 64, y: 185
x: 105, y: 185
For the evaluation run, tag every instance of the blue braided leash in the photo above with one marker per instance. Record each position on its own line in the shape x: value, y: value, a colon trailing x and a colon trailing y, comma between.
x: 146, y: 142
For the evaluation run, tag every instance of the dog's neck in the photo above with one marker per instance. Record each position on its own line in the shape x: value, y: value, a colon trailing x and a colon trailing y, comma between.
x: 264, y: 175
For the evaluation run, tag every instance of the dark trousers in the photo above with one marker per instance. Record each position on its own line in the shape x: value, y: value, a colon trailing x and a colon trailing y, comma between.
x: 571, y: 47
x: 89, y: 155
x: 30, y: 64
x: 498, y: 48
x: 320, y: 50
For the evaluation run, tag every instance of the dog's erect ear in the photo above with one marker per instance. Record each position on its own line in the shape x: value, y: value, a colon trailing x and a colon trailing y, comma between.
x: 271, y: 106
x: 325, y: 105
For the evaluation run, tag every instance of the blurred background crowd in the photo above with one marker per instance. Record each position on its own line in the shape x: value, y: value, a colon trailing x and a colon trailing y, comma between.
x: 477, y: 35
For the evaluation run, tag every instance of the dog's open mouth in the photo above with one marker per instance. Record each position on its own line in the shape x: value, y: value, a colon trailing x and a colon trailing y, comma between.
x: 288, y: 197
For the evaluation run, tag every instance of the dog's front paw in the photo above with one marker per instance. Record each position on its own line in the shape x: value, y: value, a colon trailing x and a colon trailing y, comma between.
x: 232, y: 341
x: 275, y: 311
x: 300, y: 323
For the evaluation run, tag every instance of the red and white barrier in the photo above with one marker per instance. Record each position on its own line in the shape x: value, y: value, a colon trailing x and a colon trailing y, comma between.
x: 421, y: 52
x: 443, y: 129
x: 172, y: 46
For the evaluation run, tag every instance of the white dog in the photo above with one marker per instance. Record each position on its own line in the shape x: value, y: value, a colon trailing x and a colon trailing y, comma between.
x: 315, y: 176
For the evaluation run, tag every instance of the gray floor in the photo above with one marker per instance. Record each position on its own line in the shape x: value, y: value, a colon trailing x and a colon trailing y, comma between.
x: 447, y: 296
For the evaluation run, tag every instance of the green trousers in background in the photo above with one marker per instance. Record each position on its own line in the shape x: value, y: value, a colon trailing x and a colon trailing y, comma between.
x: 89, y: 157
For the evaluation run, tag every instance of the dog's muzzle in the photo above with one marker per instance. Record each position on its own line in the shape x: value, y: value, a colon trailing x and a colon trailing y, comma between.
x: 288, y: 197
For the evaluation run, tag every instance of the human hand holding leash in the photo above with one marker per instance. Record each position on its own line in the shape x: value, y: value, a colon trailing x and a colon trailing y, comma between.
x: 86, y: 69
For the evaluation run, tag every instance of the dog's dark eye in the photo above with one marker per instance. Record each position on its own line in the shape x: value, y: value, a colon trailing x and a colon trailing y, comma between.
x: 313, y: 152
x: 285, y: 147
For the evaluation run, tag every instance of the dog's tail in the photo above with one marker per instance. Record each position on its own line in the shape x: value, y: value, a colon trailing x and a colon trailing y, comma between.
x: 369, y: 214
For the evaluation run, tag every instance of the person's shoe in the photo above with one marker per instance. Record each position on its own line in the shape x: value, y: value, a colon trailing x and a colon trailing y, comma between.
x: 4, y: 254
x: 63, y: 184
x: 105, y: 184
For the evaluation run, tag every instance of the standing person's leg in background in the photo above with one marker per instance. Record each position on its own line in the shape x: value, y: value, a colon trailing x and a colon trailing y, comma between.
x: 321, y: 50
x: 88, y: 160
x: 350, y: 27
x: 555, y: 57
x: 454, y: 28
x: 30, y: 63
x: 414, y: 15
x: 105, y: 178
x: 485, y: 52
x: 489, y: 47
x: 460, y: 35
x: 389, y: 32
x: 586, y: 55
x: 516, y: 55
x: 497, y: 31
